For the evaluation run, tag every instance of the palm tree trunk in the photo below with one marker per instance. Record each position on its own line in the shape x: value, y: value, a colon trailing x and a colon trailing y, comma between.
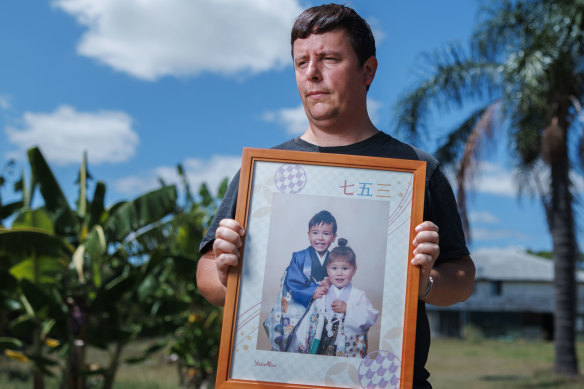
x: 561, y: 223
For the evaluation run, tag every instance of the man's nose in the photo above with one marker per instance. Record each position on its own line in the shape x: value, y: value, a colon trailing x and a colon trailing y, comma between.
x: 313, y: 71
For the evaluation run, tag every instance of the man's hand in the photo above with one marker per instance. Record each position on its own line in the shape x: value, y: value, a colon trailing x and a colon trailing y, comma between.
x: 426, y: 251
x: 339, y: 306
x: 226, y: 247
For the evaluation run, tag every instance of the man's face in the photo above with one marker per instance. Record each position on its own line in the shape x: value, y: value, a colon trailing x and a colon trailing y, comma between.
x: 321, y: 237
x: 330, y: 81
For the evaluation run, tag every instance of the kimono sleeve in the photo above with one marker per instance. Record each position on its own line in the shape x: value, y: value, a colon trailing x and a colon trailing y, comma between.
x: 300, y: 287
x: 360, y: 315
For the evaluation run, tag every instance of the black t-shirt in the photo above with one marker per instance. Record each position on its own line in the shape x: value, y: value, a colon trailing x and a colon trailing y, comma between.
x: 439, y: 207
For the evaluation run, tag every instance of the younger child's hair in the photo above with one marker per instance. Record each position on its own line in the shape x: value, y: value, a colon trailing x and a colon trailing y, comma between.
x: 323, y: 217
x: 343, y: 253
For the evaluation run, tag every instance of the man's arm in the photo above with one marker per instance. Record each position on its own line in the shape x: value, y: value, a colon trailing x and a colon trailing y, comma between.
x: 453, y: 280
x: 213, y: 266
x: 208, y: 280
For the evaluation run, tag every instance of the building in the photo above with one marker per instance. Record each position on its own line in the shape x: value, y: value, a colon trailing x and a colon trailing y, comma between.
x: 513, y: 297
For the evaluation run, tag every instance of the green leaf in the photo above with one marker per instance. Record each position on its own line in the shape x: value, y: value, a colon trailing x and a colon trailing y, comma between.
x: 10, y: 208
x: 96, y: 244
x: 37, y: 218
x: 23, y: 325
x: 142, y: 211
x: 55, y: 201
x: 17, y: 241
x: 147, y: 287
x: 36, y: 296
x: 10, y: 343
x: 222, y: 188
x: 112, y: 292
x: 206, y: 197
x: 37, y: 269
x: 97, y: 204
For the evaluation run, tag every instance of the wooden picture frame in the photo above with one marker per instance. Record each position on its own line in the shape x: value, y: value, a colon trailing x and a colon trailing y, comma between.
x: 376, y: 202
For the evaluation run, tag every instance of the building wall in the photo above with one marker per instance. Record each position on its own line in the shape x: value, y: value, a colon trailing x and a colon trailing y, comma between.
x: 503, y: 309
x: 507, y: 296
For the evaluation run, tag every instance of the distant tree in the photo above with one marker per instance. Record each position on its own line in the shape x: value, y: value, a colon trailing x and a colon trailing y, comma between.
x: 527, y: 64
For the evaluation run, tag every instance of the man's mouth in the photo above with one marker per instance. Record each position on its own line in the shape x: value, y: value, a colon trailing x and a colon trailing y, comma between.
x: 315, y: 94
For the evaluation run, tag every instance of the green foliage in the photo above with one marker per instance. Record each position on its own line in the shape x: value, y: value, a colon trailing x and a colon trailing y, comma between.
x: 104, y: 277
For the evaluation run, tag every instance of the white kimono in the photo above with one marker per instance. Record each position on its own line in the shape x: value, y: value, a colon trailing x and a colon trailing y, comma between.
x: 351, y: 339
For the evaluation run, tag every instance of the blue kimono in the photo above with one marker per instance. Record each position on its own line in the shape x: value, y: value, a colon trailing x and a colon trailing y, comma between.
x: 304, y: 274
x: 297, y: 287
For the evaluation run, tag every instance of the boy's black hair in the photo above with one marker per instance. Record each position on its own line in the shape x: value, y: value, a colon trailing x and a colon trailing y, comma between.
x: 323, y: 217
x: 343, y: 253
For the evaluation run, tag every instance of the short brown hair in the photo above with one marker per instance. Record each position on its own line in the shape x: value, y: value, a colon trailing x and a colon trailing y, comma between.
x: 327, y: 17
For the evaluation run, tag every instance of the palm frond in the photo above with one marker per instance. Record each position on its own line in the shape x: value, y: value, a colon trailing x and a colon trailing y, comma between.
x: 479, y: 137
x: 450, y: 149
x: 500, y: 25
x: 451, y: 80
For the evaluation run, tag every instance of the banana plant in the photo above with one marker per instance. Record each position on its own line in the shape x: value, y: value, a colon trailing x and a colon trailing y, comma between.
x: 87, y: 277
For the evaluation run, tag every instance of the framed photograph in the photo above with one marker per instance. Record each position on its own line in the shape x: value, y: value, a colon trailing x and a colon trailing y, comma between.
x: 325, y: 294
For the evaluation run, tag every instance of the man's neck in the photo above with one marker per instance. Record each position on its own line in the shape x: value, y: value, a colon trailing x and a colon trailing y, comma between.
x: 344, y: 135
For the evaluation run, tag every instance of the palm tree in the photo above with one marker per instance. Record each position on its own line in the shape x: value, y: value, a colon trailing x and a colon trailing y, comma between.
x: 526, y: 70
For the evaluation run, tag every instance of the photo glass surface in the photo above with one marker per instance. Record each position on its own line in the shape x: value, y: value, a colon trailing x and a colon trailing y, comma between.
x: 373, y: 211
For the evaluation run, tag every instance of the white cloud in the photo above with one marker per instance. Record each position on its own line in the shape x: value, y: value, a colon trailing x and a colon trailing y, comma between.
x: 292, y: 119
x: 494, y: 179
x: 483, y: 234
x: 483, y: 217
x: 211, y: 172
x: 5, y: 101
x: 156, y: 38
x: 64, y: 134
x: 295, y: 122
x: 376, y: 29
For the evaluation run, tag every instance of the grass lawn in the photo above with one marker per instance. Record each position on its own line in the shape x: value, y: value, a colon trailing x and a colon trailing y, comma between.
x: 454, y: 364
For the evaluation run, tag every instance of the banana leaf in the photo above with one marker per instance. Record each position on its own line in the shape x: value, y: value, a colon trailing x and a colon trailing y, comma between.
x: 134, y: 215
x: 55, y: 201
x: 27, y: 241
x: 37, y: 218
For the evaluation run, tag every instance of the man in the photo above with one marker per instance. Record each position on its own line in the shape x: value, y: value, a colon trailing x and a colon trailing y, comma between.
x: 333, y: 51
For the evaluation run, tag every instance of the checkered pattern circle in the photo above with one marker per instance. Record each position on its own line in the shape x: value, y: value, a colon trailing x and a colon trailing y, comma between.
x: 379, y: 369
x: 290, y: 178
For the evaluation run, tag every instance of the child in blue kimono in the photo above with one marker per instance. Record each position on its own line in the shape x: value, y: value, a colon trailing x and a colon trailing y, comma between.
x: 304, y: 281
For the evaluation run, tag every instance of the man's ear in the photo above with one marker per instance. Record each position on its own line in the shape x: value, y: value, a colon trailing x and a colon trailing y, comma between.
x: 369, y: 69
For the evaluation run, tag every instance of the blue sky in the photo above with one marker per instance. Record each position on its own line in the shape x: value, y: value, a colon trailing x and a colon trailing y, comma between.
x: 144, y: 85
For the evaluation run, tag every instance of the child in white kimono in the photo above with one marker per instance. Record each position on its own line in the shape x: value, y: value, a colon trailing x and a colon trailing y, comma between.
x: 338, y: 322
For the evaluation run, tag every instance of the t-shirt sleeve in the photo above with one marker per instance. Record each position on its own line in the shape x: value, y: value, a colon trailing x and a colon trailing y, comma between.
x: 226, y: 210
x: 440, y: 208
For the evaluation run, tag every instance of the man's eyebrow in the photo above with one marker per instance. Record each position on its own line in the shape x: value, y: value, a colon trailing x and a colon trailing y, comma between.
x: 329, y: 52
x: 322, y: 53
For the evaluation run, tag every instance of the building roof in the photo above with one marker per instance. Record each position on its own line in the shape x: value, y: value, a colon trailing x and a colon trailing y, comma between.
x: 496, y: 264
